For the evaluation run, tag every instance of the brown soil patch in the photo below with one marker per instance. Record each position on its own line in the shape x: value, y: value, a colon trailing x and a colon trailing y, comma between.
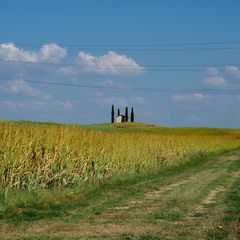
x: 77, y: 230
x: 156, y: 193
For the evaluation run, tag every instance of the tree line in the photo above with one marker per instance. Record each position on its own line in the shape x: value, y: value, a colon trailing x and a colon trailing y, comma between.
x: 126, y: 114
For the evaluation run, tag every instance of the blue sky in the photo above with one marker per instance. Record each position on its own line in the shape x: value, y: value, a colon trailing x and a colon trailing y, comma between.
x: 92, y: 42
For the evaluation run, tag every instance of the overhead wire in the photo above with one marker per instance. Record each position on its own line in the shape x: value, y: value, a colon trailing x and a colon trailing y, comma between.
x: 156, y: 67
x: 143, y: 89
x: 136, y: 44
x: 150, y: 67
x: 187, y: 46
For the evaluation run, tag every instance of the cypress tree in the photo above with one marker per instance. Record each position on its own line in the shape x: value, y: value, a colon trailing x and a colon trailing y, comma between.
x: 118, y: 112
x: 112, y: 114
x: 126, y: 114
x: 132, y: 115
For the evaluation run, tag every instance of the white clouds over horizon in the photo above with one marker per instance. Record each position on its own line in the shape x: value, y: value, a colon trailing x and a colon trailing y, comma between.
x: 37, y: 104
x: 233, y: 71
x: 39, y: 98
x: 110, y: 63
x: 187, y: 97
x: 18, y: 64
x: 47, y: 53
x: 214, y: 78
x: 20, y: 86
x: 118, y: 101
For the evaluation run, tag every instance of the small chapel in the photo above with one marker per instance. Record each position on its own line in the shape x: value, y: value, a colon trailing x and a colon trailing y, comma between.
x: 120, y: 117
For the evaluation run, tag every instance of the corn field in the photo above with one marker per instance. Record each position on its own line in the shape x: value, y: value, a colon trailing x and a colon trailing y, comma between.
x: 33, y: 155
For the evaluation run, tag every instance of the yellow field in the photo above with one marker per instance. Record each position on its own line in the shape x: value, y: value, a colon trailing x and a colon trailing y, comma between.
x: 37, y: 155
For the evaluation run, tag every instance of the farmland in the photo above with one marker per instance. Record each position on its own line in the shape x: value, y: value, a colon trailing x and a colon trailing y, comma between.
x: 100, y: 177
x: 35, y: 155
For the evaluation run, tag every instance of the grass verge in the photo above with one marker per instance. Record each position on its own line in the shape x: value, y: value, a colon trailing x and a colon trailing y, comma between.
x: 86, y: 201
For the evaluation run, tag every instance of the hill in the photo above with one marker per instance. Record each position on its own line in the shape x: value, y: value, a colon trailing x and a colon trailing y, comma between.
x: 118, y: 181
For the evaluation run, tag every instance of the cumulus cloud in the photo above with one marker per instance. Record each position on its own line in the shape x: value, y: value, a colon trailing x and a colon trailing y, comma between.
x: 214, y: 78
x: 52, y: 53
x: 187, y: 97
x: 215, y: 81
x: 212, y: 71
x: 48, y: 53
x: 110, y: 63
x: 233, y: 71
x: 9, y: 51
x: 22, y: 87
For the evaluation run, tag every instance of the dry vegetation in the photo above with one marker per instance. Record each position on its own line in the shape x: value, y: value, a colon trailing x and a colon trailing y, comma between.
x: 36, y: 155
x: 119, y: 181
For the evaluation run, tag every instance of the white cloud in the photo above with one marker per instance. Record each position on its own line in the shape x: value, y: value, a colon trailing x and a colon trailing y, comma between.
x: 122, y: 102
x: 212, y: 71
x: 67, y: 105
x: 137, y: 100
x: 118, y: 101
x: 215, y: 81
x: 108, y: 83
x: 187, y: 97
x: 9, y: 51
x: 37, y: 105
x: 109, y: 64
x: 22, y: 87
x: 68, y: 71
x: 48, y: 53
x: 180, y: 97
x: 214, y: 78
x: 52, y: 53
x: 105, y: 101
x: 234, y: 71
x: 199, y: 96
x: 43, y: 99
x: 19, y: 86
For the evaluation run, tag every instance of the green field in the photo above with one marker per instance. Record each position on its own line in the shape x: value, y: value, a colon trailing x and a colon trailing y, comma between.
x: 118, y: 181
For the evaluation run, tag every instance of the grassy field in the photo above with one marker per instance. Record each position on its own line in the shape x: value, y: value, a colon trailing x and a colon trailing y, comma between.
x: 51, y: 155
x: 119, y: 181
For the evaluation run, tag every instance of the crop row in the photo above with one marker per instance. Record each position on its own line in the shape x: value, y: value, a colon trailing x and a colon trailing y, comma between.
x: 34, y: 156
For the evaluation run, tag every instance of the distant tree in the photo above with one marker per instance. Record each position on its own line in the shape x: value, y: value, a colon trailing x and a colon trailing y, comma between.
x: 118, y: 112
x: 126, y: 114
x: 112, y: 114
x: 132, y: 115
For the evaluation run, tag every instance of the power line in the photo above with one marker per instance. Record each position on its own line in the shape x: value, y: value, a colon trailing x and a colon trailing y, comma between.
x: 151, y: 47
x: 159, y: 90
x: 126, y: 67
x: 157, y: 49
x: 136, y: 44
